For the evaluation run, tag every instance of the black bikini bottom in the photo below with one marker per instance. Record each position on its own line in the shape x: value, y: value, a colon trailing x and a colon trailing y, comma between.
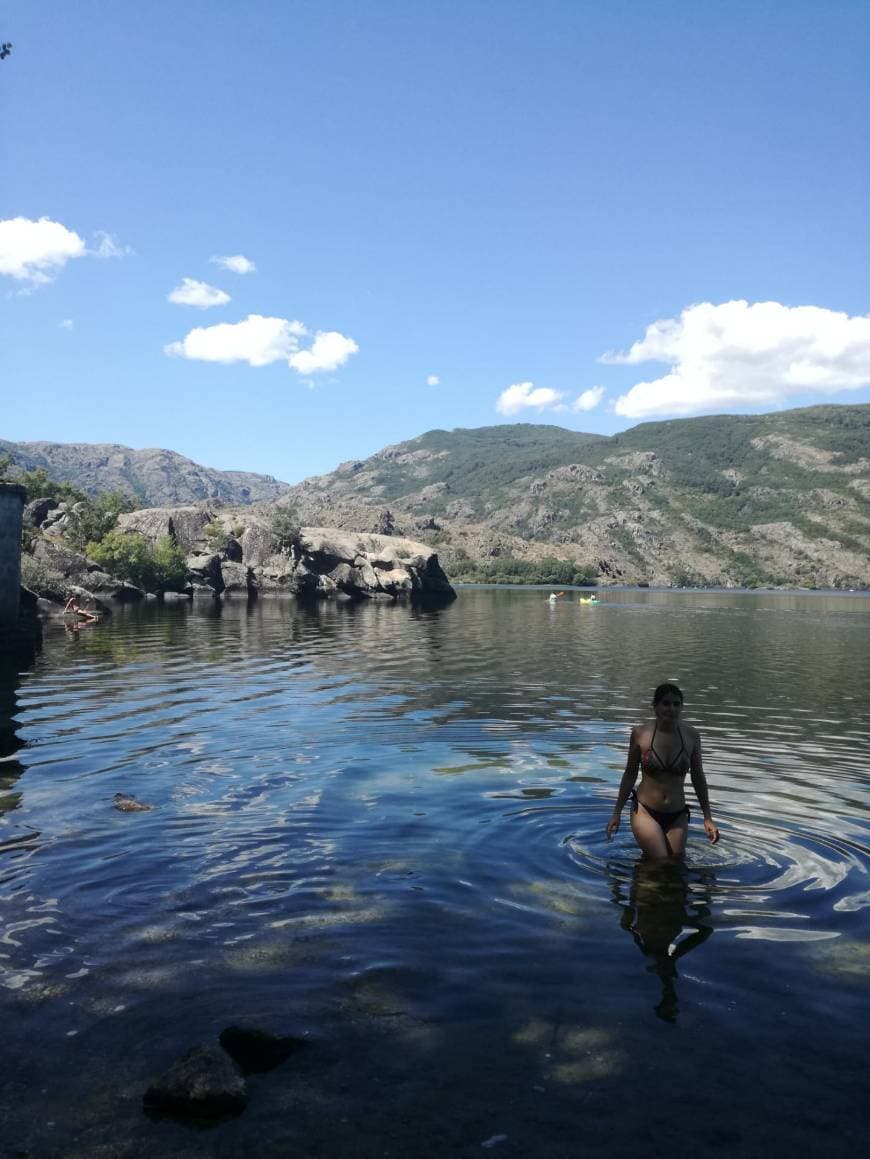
x: 665, y: 821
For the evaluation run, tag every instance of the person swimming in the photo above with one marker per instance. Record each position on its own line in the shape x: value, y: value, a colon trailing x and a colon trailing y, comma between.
x: 664, y: 752
x: 73, y: 608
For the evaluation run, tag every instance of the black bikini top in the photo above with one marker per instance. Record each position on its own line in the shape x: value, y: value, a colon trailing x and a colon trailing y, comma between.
x: 652, y: 762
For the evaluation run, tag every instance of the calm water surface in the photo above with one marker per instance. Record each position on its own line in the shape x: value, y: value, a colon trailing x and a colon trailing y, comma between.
x: 384, y: 828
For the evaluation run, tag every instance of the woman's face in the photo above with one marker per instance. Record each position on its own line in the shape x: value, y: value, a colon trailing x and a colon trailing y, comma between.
x: 668, y: 708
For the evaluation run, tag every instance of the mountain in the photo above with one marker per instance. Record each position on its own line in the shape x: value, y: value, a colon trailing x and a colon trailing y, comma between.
x: 153, y: 478
x: 779, y: 498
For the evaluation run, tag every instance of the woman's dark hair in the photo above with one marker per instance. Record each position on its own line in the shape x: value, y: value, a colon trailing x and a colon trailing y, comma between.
x: 667, y: 690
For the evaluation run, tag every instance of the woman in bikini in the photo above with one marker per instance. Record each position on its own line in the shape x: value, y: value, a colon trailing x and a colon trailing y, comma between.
x: 664, y: 750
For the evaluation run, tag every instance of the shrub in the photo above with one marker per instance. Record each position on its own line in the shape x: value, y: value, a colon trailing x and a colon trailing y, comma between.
x: 216, y: 537
x: 285, y: 526
x: 130, y: 556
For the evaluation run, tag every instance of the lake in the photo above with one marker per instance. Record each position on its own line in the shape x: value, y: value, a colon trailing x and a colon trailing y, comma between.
x: 383, y: 828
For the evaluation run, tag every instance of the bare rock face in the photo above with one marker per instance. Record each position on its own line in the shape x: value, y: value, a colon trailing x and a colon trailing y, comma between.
x: 81, y: 576
x: 183, y: 525
x: 258, y: 545
x: 235, y: 577
x: 204, y: 570
x: 205, y: 1083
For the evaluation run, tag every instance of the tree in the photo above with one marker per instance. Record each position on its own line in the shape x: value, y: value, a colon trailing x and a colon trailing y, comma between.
x: 285, y: 526
x: 94, y: 518
x: 38, y: 485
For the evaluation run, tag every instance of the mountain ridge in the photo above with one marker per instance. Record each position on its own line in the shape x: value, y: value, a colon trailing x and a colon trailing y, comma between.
x: 151, y: 475
x: 778, y: 498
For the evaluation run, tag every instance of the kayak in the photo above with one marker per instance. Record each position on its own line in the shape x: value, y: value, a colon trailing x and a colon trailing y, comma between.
x: 589, y: 600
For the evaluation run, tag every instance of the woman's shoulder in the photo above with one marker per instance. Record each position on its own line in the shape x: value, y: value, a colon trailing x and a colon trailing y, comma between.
x: 642, y: 731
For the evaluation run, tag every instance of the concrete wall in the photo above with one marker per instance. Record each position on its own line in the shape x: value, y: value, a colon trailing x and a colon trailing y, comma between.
x: 11, y: 506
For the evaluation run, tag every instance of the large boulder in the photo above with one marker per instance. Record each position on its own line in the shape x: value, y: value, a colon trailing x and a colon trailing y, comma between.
x: 204, y: 570
x: 235, y: 577
x: 77, y: 571
x: 183, y: 525
x: 36, y: 512
x: 259, y: 545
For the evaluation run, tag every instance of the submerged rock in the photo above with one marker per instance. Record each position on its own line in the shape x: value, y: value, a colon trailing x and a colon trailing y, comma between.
x: 127, y: 804
x: 204, y: 1083
x: 257, y: 1050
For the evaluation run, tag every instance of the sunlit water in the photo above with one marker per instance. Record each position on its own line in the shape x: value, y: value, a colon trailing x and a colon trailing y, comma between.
x: 384, y: 828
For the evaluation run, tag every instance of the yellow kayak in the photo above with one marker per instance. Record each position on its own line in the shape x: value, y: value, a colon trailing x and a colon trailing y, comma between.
x: 589, y: 600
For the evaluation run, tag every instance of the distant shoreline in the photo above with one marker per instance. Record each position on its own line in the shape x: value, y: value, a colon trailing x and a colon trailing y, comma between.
x: 603, y: 590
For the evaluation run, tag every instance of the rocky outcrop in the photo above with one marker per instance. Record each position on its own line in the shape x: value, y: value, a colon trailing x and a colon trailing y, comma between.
x: 369, y: 566
x: 328, y: 562
x: 323, y: 561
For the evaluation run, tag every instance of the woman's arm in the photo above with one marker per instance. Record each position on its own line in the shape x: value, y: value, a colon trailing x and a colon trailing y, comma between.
x: 627, y: 783
x: 699, y: 783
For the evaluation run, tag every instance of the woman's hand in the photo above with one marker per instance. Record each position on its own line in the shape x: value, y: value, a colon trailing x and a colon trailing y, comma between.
x: 711, y: 830
x: 613, y: 825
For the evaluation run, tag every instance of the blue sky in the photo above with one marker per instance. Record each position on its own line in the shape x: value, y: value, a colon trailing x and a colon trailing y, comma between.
x: 588, y: 214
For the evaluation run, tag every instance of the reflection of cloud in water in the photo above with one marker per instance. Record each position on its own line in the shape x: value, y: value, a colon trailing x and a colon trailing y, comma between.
x: 782, y: 934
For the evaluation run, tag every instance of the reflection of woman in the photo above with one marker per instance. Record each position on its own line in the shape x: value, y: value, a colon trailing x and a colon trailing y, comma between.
x: 657, y: 911
x: 664, y: 750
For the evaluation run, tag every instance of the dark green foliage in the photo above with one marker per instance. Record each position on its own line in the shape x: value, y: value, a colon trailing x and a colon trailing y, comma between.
x: 130, y: 556
x: 94, y: 518
x: 507, y: 570
x: 285, y: 526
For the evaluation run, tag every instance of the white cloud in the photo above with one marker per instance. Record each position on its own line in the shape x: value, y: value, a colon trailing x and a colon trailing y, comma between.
x: 108, y: 247
x: 65, y: 324
x: 36, y: 251
x: 201, y: 294
x: 328, y: 351
x: 525, y: 395
x: 739, y: 354
x: 433, y: 380
x: 256, y: 340
x: 238, y: 263
x: 260, y: 341
x: 589, y: 399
